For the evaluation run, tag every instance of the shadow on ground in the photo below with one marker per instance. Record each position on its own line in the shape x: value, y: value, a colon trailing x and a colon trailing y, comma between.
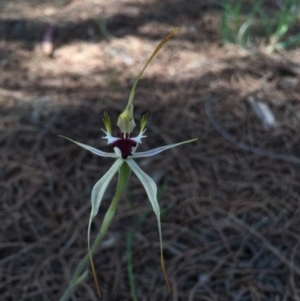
x: 229, y: 215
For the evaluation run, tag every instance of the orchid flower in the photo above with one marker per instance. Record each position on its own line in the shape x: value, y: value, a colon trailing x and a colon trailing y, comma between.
x: 125, y: 152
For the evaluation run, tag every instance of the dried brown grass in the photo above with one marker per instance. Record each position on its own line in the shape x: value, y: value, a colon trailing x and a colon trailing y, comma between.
x: 230, y: 216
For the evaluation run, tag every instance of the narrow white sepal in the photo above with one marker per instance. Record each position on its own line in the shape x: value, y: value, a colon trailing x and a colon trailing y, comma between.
x: 148, y: 183
x: 100, y: 187
x: 92, y: 149
x: 158, y: 150
x: 151, y: 190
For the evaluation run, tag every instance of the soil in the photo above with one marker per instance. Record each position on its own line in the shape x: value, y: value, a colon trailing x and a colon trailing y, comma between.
x: 230, y: 201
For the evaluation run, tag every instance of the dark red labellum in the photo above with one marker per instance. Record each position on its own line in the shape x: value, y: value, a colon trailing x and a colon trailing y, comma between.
x: 125, y: 145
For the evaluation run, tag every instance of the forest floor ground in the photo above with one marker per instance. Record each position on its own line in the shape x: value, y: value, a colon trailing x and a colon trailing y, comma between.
x: 230, y: 202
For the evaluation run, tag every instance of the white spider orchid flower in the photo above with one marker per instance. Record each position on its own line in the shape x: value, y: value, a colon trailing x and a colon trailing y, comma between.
x: 125, y: 146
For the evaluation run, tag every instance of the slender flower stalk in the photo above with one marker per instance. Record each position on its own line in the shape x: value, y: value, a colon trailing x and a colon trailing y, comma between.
x: 125, y: 146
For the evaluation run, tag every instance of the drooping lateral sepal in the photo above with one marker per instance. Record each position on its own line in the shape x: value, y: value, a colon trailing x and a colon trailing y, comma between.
x: 100, y: 187
x: 151, y: 190
x: 124, y: 173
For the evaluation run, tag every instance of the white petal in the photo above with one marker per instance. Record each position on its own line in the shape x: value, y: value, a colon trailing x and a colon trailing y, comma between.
x: 158, y: 150
x: 100, y: 187
x: 109, y: 137
x: 92, y: 149
x: 138, y: 139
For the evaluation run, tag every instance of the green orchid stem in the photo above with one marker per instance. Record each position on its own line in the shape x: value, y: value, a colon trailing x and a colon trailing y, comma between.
x: 80, y: 272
